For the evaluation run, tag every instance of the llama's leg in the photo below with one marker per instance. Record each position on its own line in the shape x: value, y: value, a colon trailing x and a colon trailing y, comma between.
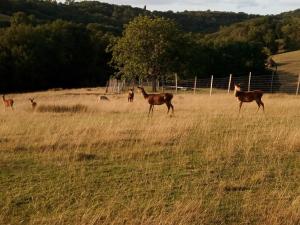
x: 152, y: 109
x: 172, y: 107
x: 168, y: 105
x: 241, y: 103
x: 149, y: 110
x: 263, y: 105
x: 258, y: 104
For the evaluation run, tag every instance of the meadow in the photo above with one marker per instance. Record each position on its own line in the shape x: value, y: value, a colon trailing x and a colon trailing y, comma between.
x: 75, y: 160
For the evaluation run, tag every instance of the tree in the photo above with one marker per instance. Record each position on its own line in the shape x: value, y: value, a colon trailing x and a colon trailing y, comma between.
x: 21, y: 18
x: 149, y: 48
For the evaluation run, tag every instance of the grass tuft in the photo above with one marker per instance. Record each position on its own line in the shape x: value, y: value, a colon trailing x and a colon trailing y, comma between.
x: 62, y: 108
x: 85, y: 156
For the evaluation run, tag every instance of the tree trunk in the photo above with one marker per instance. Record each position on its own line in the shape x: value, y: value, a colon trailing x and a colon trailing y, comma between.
x: 154, y: 83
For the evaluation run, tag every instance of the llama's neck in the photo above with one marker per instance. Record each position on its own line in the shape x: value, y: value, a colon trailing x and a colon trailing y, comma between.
x: 239, y: 93
x: 144, y: 93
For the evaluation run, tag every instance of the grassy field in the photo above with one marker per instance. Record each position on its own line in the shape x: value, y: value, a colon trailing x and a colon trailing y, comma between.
x: 107, y: 163
x: 288, y: 63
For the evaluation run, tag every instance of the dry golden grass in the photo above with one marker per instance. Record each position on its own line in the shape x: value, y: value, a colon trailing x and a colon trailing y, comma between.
x: 288, y: 63
x: 110, y: 164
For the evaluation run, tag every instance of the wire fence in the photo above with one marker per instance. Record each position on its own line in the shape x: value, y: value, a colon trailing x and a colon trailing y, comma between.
x: 268, y: 83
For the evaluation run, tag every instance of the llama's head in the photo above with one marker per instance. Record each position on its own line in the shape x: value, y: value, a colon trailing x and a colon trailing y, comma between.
x: 237, y: 87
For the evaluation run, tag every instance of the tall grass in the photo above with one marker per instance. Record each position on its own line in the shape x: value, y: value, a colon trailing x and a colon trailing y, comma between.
x: 114, y: 165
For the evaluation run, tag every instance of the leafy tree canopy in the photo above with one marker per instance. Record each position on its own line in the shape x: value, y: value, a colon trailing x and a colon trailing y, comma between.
x: 148, y: 48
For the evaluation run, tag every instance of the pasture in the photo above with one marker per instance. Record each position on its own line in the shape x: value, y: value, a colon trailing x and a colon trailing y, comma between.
x: 79, y: 161
x: 288, y: 63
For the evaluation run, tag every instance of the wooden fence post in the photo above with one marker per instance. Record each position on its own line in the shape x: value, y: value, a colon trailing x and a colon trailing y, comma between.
x: 272, y: 82
x: 249, y: 81
x: 118, y: 86
x: 229, y: 83
x: 211, y: 84
x: 176, y: 81
x: 195, y: 85
x: 107, y: 85
x: 297, y: 91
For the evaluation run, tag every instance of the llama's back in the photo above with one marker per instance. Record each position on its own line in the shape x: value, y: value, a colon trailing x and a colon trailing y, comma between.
x: 168, y: 97
x: 258, y: 93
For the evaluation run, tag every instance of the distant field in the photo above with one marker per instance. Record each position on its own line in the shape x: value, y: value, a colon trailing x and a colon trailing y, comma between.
x: 79, y: 161
x: 289, y: 63
x: 4, y: 17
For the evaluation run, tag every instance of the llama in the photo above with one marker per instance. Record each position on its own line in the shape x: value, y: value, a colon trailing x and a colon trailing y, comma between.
x: 158, y: 99
x: 7, y: 102
x: 33, y: 103
x: 249, y: 96
x: 130, y: 95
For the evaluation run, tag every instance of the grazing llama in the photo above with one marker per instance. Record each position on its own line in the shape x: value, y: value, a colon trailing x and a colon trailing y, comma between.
x: 158, y: 99
x: 33, y: 103
x: 249, y: 96
x: 8, y: 103
x: 130, y: 95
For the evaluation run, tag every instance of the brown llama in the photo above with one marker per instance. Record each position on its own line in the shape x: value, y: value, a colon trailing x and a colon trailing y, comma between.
x: 33, y: 103
x: 8, y: 103
x: 130, y: 95
x: 158, y: 99
x: 249, y: 96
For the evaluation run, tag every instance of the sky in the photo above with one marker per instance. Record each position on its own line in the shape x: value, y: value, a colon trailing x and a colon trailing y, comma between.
x: 248, y: 6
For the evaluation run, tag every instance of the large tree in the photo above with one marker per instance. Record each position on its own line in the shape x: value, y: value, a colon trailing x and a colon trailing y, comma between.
x: 149, y: 48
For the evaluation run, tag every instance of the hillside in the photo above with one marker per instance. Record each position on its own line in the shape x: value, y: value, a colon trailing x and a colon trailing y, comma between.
x: 113, y: 17
x: 288, y: 63
x: 4, y: 20
x: 60, y: 41
x: 277, y: 33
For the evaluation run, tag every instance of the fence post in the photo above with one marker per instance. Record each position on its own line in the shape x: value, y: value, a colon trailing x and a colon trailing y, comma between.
x: 211, y: 84
x: 229, y: 83
x: 115, y: 85
x: 249, y: 81
x: 195, y: 85
x: 297, y: 91
x: 272, y: 82
x: 118, y: 86
x: 107, y: 85
x: 158, y: 85
x: 176, y: 81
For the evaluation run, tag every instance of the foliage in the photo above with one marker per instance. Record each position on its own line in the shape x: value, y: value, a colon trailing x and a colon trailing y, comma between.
x: 58, y: 54
x: 113, y: 17
x: 149, y: 48
x: 45, y: 44
x: 275, y: 33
